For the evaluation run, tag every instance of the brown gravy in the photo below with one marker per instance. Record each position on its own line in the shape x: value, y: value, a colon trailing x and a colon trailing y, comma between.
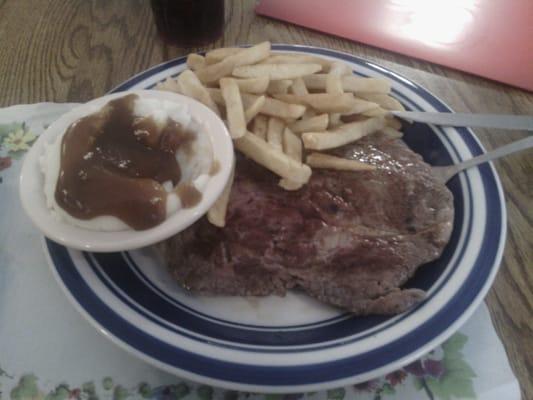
x: 114, y: 163
x: 188, y: 194
x: 215, y: 168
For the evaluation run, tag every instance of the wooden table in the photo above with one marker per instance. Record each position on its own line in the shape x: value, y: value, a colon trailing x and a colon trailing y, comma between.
x: 67, y: 50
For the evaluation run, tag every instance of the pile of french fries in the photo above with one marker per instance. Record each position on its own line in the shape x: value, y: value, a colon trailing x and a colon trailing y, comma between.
x: 282, y: 108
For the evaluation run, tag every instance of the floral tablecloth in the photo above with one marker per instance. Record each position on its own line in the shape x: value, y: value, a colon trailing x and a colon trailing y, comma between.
x: 48, y: 351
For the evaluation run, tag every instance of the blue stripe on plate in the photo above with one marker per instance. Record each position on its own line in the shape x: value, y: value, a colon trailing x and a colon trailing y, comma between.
x: 172, y: 316
x: 308, y: 374
x: 165, y: 315
x: 131, y: 264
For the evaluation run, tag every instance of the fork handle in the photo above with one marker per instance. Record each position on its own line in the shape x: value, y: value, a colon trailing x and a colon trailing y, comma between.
x: 502, y: 151
x: 522, y: 122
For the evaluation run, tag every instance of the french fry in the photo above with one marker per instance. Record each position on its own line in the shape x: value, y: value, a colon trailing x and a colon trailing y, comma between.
x: 316, y: 100
x: 195, y: 61
x: 334, y: 86
x: 309, y: 112
x: 394, y: 123
x: 330, y: 103
x: 347, y: 133
x: 333, y: 79
x: 216, y: 95
x: 251, y: 55
x: 253, y: 85
x: 340, y: 68
x: 289, y: 185
x: 217, y: 55
x: 350, y: 83
x: 212, y: 73
x: 334, y: 120
x: 234, y: 107
x: 280, y: 109
x: 391, y: 132
x: 169, y: 85
x: 318, y: 123
x: 275, y: 133
x: 260, y: 126
x: 276, y: 71
x: 375, y: 112
x: 217, y: 213
x: 298, y: 87
x: 320, y: 160
x: 277, y: 108
x: 295, y: 58
x: 292, y: 145
x: 391, y: 121
x: 385, y: 101
x: 276, y: 161
x: 289, y: 121
x: 191, y: 86
x: 254, y: 109
x: 360, y: 106
x: 279, y: 87
x: 272, y: 107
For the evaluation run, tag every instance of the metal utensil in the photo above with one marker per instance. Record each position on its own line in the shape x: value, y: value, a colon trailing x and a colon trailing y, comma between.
x: 519, y: 122
x: 444, y: 173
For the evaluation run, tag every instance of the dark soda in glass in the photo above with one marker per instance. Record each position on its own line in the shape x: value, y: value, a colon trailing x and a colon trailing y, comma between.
x: 189, y: 23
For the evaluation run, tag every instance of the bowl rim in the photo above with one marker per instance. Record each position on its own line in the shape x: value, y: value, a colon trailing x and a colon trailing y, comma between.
x: 34, y: 202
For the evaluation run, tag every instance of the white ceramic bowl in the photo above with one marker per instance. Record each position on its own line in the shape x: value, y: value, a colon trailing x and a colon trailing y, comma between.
x: 34, y: 201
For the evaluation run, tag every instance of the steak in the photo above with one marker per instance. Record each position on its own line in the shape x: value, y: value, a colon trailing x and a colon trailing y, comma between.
x: 350, y: 239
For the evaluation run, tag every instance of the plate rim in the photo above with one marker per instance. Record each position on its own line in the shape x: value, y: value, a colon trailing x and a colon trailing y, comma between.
x: 339, y: 382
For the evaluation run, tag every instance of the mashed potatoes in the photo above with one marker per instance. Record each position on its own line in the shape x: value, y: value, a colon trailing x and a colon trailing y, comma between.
x: 195, y: 162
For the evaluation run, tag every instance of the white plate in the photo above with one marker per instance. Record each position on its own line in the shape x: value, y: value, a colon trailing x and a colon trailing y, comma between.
x: 34, y: 201
x: 295, y: 344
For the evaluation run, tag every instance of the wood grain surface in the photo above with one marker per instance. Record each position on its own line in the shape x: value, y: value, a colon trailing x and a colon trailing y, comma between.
x: 74, y: 50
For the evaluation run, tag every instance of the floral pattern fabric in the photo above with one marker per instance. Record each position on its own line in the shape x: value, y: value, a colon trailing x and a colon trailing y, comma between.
x: 15, y: 140
x: 445, y: 373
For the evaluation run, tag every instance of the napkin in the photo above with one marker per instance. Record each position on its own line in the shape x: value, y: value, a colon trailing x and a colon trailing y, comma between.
x: 48, y: 350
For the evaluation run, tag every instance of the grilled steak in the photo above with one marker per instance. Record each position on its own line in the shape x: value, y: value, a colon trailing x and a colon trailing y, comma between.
x: 350, y: 239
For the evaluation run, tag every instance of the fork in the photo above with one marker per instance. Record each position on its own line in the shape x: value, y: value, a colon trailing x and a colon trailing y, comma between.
x: 520, y: 122
x: 445, y: 173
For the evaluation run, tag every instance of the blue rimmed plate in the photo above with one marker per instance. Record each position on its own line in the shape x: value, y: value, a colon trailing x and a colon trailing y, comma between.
x: 296, y: 344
